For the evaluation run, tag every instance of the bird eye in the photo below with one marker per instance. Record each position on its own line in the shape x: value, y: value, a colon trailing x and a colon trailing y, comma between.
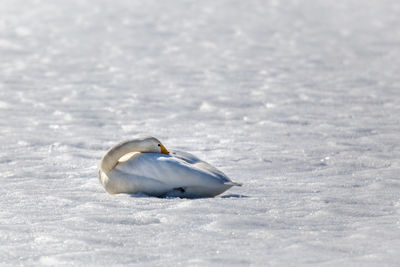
x: 159, y: 144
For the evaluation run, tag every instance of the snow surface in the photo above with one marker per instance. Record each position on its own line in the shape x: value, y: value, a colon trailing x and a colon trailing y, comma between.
x: 297, y: 100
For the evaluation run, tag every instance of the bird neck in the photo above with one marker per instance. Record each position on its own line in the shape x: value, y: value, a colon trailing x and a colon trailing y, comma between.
x: 110, y: 159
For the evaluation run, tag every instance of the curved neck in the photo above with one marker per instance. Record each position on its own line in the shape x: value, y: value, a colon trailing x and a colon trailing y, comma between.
x: 110, y: 159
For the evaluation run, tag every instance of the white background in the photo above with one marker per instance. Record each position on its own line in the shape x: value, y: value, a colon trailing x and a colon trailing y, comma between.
x: 297, y: 100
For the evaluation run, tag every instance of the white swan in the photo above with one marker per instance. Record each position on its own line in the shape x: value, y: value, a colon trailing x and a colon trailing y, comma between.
x: 144, y: 165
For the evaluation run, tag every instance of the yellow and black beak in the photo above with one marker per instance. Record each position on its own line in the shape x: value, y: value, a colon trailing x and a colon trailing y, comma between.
x: 164, y: 150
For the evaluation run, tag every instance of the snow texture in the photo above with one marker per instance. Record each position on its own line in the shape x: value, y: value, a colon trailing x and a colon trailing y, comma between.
x: 298, y: 100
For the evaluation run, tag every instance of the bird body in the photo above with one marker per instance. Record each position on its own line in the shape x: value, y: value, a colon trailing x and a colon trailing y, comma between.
x: 159, y: 172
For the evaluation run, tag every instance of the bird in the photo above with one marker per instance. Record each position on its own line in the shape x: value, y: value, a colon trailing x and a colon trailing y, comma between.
x: 144, y: 165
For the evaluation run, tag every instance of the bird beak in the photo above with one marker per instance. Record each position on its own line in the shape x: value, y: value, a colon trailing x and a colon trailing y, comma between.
x: 164, y: 150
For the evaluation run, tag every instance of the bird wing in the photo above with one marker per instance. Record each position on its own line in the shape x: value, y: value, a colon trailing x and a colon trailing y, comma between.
x: 177, y: 169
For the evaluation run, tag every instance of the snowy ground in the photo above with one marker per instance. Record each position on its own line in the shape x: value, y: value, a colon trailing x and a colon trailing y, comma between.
x: 297, y: 100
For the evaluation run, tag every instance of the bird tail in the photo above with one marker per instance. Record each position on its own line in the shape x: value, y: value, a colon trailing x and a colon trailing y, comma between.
x: 232, y: 183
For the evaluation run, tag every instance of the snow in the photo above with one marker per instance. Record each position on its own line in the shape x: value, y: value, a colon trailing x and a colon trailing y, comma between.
x: 297, y: 100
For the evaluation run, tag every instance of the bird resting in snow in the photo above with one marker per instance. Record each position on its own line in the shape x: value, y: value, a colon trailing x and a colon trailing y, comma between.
x: 144, y: 165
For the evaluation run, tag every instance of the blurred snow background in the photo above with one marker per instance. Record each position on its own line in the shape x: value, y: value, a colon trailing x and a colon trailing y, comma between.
x: 298, y: 100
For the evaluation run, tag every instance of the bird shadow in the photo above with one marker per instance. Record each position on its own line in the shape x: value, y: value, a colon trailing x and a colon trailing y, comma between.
x: 234, y: 196
x: 142, y: 195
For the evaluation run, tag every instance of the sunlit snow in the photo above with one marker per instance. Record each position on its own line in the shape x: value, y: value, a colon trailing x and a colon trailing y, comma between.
x: 299, y: 100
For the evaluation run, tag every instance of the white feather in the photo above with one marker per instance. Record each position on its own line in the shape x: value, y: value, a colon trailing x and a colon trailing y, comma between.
x: 177, y: 174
